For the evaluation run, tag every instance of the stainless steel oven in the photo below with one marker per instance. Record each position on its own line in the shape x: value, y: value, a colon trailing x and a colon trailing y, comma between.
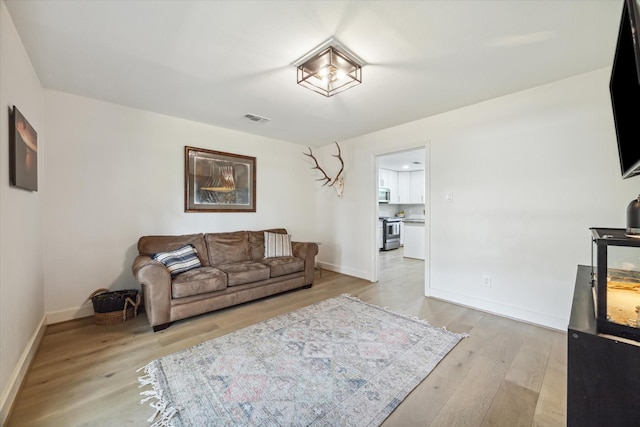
x: 390, y: 233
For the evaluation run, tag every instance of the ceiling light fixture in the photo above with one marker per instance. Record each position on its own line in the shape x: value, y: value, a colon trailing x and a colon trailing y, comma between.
x: 329, y: 69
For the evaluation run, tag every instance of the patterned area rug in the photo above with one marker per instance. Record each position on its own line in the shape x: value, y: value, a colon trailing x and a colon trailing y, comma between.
x: 339, y: 362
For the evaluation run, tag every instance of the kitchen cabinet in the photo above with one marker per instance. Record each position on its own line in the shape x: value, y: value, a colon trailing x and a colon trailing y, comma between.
x: 411, y: 187
x: 402, y: 233
x: 389, y: 179
x: 404, y: 187
x: 417, y: 187
x: 383, y: 176
x: 393, y: 186
x: 414, y: 240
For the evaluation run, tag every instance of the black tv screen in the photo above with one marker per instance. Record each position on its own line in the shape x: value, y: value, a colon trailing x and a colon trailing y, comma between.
x: 625, y: 89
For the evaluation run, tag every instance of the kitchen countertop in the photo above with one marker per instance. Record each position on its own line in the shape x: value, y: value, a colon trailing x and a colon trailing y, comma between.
x: 413, y: 220
x: 407, y: 220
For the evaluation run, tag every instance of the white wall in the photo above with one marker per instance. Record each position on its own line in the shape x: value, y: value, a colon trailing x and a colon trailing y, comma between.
x: 346, y: 226
x: 21, y: 273
x: 115, y: 173
x: 529, y: 172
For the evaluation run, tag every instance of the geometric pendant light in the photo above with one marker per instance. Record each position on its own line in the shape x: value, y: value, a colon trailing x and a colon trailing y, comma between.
x: 329, y: 69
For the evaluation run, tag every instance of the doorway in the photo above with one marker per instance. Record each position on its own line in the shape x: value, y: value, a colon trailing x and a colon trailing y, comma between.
x: 402, y: 176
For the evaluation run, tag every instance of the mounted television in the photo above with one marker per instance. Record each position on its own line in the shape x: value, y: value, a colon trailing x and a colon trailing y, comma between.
x: 625, y: 89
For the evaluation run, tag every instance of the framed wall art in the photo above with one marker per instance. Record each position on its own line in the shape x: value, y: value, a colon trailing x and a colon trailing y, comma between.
x: 23, y: 152
x: 218, y: 182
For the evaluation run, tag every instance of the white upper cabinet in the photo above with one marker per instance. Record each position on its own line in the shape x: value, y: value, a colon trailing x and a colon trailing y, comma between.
x: 404, y: 187
x: 417, y: 187
x: 400, y: 172
x: 389, y: 179
x: 393, y: 186
x: 383, y: 175
x: 411, y: 187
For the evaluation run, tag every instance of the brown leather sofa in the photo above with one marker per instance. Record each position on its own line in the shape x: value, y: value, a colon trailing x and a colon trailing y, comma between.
x: 233, y: 271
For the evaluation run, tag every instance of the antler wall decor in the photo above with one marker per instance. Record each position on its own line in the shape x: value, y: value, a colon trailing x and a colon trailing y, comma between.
x: 337, y: 182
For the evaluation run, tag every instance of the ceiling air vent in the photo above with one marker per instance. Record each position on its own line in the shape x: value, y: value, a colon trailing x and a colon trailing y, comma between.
x: 257, y: 119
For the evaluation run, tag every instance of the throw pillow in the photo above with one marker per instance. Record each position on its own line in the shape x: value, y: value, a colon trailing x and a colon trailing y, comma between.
x: 277, y: 245
x: 178, y: 261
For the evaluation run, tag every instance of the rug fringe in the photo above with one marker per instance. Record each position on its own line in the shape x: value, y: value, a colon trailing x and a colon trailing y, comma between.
x: 462, y: 334
x: 156, y: 396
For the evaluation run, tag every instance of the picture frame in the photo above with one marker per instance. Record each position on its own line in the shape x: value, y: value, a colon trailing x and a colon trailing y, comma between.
x: 23, y: 152
x: 216, y: 181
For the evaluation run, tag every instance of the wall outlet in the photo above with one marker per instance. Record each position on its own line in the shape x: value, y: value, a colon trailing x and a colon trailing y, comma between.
x: 448, y: 197
x: 486, y: 281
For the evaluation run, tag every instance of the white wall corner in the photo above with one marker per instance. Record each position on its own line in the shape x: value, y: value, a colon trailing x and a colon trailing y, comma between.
x: 20, y: 371
x: 348, y: 271
x: 84, y: 310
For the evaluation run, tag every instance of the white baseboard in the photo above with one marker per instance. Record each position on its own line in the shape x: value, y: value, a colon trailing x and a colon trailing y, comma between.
x: 20, y: 371
x: 516, y: 313
x: 84, y: 310
x: 511, y: 312
x: 348, y: 271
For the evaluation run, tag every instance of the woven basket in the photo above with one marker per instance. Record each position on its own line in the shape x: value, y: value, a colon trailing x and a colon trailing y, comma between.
x: 114, y: 317
x: 120, y: 303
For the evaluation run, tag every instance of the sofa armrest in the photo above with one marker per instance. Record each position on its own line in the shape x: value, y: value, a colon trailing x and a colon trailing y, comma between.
x: 156, y: 288
x: 306, y: 251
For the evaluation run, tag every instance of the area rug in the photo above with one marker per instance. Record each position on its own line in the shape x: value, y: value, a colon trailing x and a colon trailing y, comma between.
x: 339, y: 362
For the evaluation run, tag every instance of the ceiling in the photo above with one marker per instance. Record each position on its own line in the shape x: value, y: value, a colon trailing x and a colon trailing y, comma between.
x: 410, y: 160
x: 215, y: 61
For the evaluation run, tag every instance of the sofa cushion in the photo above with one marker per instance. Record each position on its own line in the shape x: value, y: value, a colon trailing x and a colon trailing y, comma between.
x: 277, y: 245
x: 227, y: 248
x: 243, y: 272
x: 179, y: 261
x: 198, y: 281
x: 149, y: 245
x: 284, y: 265
x: 256, y: 241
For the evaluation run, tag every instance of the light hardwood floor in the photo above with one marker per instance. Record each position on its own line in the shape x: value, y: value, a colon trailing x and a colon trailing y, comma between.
x: 505, y: 373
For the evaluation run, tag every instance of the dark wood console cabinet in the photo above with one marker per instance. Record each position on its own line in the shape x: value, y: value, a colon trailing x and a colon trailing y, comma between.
x: 603, y: 371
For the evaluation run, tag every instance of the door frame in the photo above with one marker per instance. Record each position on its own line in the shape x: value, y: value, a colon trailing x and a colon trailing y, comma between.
x: 375, y: 273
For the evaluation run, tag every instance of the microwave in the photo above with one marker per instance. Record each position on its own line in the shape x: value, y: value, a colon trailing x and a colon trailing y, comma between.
x: 384, y: 195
